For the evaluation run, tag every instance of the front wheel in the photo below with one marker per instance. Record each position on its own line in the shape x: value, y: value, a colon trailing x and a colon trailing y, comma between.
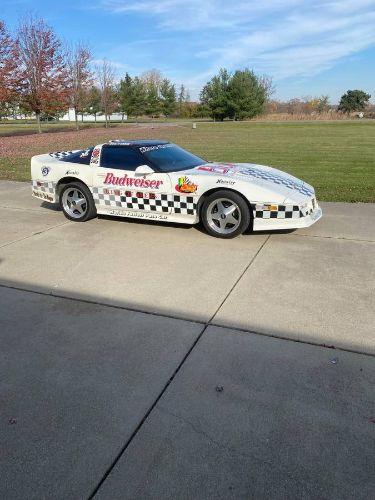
x: 225, y: 214
x: 77, y: 203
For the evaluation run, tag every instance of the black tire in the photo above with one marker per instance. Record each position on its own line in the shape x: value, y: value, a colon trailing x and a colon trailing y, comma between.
x: 72, y: 212
x: 228, y: 200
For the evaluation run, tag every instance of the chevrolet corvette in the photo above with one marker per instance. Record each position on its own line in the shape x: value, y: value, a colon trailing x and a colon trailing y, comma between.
x: 158, y: 180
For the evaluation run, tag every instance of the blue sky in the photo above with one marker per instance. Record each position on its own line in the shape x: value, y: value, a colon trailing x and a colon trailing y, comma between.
x: 309, y: 47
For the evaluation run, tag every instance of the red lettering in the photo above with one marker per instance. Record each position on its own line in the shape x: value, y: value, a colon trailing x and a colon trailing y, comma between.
x: 108, y: 178
x: 152, y: 184
x: 146, y: 184
x: 139, y: 195
x: 137, y: 182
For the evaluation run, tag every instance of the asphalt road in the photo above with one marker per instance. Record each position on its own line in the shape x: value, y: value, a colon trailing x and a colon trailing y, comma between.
x: 142, y: 360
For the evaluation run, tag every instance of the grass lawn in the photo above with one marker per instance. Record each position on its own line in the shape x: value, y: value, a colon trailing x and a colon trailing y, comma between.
x: 337, y: 158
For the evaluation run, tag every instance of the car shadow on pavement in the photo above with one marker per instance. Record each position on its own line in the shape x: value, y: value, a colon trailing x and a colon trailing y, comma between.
x: 81, y: 381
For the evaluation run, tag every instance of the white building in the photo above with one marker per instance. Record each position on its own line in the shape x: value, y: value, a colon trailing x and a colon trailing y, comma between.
x: 70, y: 116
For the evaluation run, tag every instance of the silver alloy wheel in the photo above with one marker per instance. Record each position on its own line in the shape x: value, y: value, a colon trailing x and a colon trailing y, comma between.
x: 223, y: 216
x: 74, y: 203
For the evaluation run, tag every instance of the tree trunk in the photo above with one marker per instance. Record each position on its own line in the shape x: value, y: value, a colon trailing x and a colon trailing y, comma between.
x: 76, y: 118
x: 106, y: 120
x: 95, y: 117
x: 38, y: 122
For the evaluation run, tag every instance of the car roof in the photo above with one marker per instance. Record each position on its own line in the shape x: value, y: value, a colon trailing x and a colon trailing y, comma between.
x: 138, y: 142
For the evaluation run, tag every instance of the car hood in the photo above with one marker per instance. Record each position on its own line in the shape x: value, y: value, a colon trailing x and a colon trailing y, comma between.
x: 261, y: 175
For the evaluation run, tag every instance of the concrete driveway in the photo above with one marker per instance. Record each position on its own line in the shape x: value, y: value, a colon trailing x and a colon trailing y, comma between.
x: 142, y: 360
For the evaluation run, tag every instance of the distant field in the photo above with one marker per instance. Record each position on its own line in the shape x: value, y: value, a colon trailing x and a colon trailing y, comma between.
x: 337, y: 158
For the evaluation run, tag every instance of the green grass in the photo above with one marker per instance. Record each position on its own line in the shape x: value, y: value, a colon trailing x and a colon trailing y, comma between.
x: 337, y: 158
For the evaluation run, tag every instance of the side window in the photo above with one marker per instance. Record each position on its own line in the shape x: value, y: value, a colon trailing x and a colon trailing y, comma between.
x: 120, y: 157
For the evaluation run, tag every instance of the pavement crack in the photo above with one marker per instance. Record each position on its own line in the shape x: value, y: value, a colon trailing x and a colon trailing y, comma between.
x: 153, y: 405
x: 359, y: 240
x: 34, y: 234
x: 239, y: 278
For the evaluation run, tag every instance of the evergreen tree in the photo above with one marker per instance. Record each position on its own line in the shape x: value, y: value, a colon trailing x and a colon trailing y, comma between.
x: 168, y: 95
x: 125, y: 91
x: 246, y: 97
x: 353, y: 100
x: 215, y: 95
x: 138, y: 98
x: 153, y: 107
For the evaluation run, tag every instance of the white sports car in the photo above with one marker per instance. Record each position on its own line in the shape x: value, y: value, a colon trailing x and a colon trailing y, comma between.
x: 157, y: 180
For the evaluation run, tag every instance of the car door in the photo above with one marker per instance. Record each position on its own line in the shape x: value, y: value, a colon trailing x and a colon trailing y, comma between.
x: 117, y: 185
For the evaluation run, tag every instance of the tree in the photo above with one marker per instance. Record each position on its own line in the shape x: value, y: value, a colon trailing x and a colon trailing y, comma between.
x: 168, y: 95
x: 44, y: 72
x: 138, y: 98
x: 354, y: 100
x: 10, y: 76
x: 215, y: 95
x: 181, y: 99
x: 246, y: 95
x: 106, y: 78
x: 92, y: 101
x: 152, y: 78
x: 125, y: 94
x: 269, y: 87
x: 80, y: 77
x: 153, y: 101
x: 322, y: 105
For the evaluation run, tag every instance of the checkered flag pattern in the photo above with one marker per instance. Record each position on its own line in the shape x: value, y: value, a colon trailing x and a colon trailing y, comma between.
x: 161, y: 203
x: 282, y: 212
x: 45, y: 187
x: 61, y: 154
x: 277, y: 179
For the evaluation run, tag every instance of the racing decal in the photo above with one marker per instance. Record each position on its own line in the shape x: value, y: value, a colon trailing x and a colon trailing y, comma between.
x: 61, y: 154
x: 125, y: 180
x: 145, y: 149
x: 138, y: 215
x: 72, y: 172
x: 95, y: 156
x: 267, y: 211
x: 154, y: 202
x: 44, y: 190
x: 45, y: 171
x: 227, y: 182
x: 271, y: 211
x: 185, y: 185
x: 277, y: 179
x: 217, y: 169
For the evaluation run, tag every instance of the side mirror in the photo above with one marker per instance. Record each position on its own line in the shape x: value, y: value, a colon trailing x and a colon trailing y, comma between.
x: 143, y: 170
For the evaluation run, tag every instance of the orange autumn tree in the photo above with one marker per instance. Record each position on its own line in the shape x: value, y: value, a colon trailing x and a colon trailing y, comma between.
x: 44, y: 69
x: 9, y: 67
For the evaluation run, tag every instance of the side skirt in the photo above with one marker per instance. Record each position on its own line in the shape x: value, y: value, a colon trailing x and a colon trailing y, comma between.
x: 158, y: 216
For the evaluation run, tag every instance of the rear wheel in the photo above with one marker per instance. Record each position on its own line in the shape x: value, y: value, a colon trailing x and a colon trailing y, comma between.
x: 77, y: 202
x: 225, y: 214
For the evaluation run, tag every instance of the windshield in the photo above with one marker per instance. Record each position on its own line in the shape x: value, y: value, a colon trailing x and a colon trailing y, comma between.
x: 171, y: 158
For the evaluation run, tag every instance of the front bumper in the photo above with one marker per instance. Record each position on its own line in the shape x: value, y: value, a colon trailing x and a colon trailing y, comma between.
x: 294, y: 223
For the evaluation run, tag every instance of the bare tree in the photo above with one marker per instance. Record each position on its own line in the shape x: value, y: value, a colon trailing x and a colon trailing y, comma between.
x: 106, y: 79
x: 268, y: 85
x: 44, y: 71
x: 80, y: 77
x: 152, y: 78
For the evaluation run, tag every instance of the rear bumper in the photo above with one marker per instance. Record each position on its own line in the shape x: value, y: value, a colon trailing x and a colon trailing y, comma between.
x: 45, y: 191
x: 279, y: 224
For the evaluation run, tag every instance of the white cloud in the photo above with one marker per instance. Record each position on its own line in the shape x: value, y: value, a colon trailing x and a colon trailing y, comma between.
x: 284, y: 38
